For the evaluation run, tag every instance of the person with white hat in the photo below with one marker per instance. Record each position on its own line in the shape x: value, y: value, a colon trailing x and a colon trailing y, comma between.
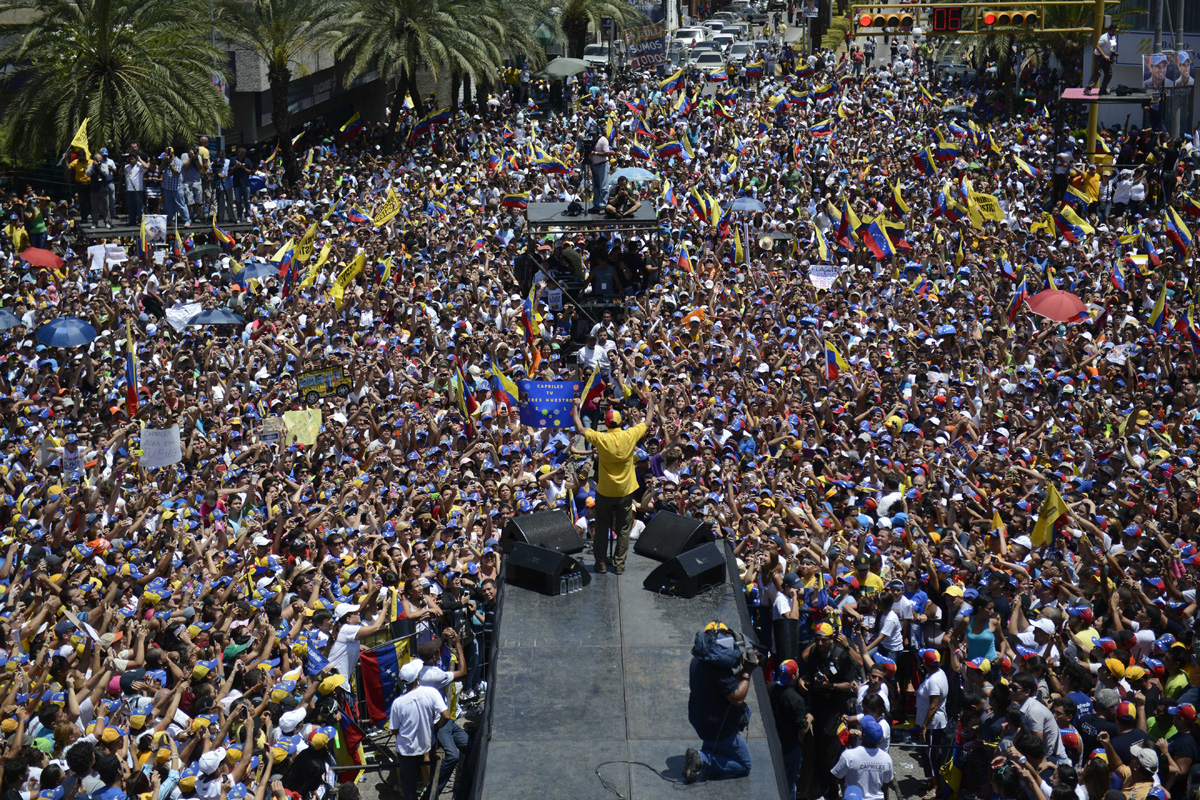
x: 415, y: 716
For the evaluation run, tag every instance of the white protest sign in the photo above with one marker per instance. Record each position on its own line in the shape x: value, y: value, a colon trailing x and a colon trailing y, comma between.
x: 1119, y: 354
x: 180, y: 315
x: 272, y: 429
x: 822, y: 276
x: 160, y: 448
x: 555, y: 299
x: 96, y: 257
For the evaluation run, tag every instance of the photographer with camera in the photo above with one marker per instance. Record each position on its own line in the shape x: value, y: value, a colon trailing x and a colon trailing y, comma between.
x: 136, y: 168
x: 719, y: 680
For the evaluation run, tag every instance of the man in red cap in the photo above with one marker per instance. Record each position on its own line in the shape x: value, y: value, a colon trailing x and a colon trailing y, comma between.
x: 617, y: 449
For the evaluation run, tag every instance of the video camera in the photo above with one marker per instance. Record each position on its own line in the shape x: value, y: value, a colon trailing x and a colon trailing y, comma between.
x: 722, y: 646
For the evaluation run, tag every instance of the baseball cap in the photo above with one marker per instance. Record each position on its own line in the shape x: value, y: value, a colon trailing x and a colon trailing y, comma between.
x: 1115, y: 667
x: 1126, y: 711
x: 411, y: 671
x: 872, y: 731
x: 786, y: 672
x: 1185, y: 710
x: 1146, y: 757
x: 824, y: 629
x: 929, y: 656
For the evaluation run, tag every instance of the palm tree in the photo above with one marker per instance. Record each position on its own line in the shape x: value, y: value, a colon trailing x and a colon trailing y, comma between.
x: 279, y: 32
x: 400, y: 37
x: 135, y: 69
x: 575, y: 17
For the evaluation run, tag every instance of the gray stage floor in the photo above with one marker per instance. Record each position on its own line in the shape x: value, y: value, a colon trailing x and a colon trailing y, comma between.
x: 601, y: 676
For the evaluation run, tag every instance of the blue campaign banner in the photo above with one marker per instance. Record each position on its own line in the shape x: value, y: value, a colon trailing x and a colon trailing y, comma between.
x: 547, y: 404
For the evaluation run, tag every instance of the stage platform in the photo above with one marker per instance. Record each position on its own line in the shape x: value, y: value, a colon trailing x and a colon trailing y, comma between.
x: 1075, y: 95
x: 600, y: 676
x: 548, y: 217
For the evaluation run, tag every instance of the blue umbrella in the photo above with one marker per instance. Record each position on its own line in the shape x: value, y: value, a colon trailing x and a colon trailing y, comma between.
x: 216, y: 316
x: 66, y: 332
x: 9, y: 320
x: 747, y: 204
x: 634, y: 174
x: 258, y: 270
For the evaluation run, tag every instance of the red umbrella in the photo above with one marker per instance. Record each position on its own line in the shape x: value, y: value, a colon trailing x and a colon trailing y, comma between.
x: 1057, y: 305
x: 37, y: 257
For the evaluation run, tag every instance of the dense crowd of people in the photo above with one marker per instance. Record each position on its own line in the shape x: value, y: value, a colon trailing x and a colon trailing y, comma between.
x: 967, y: 530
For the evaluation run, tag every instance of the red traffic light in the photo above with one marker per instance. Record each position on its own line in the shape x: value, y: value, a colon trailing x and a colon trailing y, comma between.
x: 989, y: 18
x: 865, y: 21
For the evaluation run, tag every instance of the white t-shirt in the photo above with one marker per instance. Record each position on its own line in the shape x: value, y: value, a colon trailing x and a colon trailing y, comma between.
x: 436, y: 677
x: 893, y: 632
x: 343, y: 655
x: 412, y: 717
x: 935, y: 685
x: 868, y: 768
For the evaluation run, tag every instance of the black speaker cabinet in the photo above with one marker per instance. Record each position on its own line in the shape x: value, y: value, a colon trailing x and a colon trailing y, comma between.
x: 540, y: 568
x: 669, y: 534
x: 688, y: 573
x: 549, y: 529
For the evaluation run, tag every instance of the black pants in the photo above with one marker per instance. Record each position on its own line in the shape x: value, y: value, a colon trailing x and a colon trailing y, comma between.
x: 410, y: 775
x: 615, y: 514
x: 1101, y: 65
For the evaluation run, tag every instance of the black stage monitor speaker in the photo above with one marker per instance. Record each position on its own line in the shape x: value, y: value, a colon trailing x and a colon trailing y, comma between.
x: 689, y: 572
x: 550, y: 529
x: 540, y: 568
x: 669, y: 534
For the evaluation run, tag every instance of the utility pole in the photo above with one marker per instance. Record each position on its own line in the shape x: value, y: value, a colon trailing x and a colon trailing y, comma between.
x: 1094, y: 108
x: 1177, y: 103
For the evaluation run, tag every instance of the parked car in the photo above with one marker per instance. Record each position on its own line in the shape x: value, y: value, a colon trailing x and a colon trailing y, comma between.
x: 715, y: 26
x: 954, y: 69
x: 724, y: 16
x: 724, y: 41
x: 759, y: 18
x: 740, y: 51
x: 740, y: 29
x: 709, y: 61
x: 596, y: 54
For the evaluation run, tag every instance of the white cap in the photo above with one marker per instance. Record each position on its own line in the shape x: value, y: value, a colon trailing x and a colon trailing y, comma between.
x: 1024, y: 541
x: 411, y: 671
x: 211, y: 761
x: 1044, y: 625
x: 342, y: 609
x: 290, y: 719
x: 262, y: 541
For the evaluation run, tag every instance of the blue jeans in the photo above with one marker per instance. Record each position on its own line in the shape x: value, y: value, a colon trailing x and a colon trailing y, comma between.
x: 241, y: 196
x: 726, y: 758
x: 134, y: 205
x: 174, y: 205
x: 793, y: 763
x: 599, y: 187
x: 453, y: 740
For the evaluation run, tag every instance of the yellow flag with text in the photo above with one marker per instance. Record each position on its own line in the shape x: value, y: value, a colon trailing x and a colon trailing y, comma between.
x: 345, y: 278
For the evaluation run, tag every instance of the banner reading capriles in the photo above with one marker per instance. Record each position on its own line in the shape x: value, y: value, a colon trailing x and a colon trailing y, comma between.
x: 547, y: 404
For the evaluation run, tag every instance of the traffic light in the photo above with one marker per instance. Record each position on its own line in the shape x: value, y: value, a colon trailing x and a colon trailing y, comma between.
x: 1010, y: 19
x: 890, y: 20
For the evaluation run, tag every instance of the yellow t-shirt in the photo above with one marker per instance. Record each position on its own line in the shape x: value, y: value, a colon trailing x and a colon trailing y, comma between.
x: 616, y: 449
x: 872, y: 584
x: 79, y: 167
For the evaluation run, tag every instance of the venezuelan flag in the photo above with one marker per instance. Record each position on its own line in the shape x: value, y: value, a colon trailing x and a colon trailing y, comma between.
x: 822, y: 244
x: 805, y: 72
x: 778, y: 104
x: 381, y: 677
x: 1151, y: 251
x: 1177, y: 231
x: 1188, y: 205
x: 641, y: 129
x: 922, y: 287
x: 504, y: 391
x: 824, y: 92
x: 834, y: 363
x: 221, y: 236
x: 685, y: 261
x: 923, y: 160
x: 493, y: 160
x: 1070, y: 225
x: 897, y: 201
x: 668, y: 194
x: 441, y: 117
x: 1020, y: 295
x: 824, y: 128
x: 356, y: 215
x: 515, y: 200
x: 527, y: 315
x: 927, y: 97
x: 1077, y: 198
x: 718, y: 75
x: 722, y: 112
x: 636, y: 150
x: 1118, y: 276
x: 754, y: 69
x: 672, y: 83
x: 878, y: 242
x: 1026, y: 167
x: 944, y: 149
x: 1159, y: 313
x: 668, y: 149
x: 145, y: 242
x: 131, y: 370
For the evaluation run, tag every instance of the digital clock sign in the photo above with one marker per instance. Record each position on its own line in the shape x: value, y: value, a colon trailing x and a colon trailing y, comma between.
x: 947, y: 19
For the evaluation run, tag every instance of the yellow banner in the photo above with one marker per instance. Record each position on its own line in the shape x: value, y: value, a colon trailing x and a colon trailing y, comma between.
x: 387, y: 210
x: 80, y: 139
x: 313, y: 271
x: 303, y: 427
x: 988, y: 206
x: 304, y: 250
x: 345, y: 278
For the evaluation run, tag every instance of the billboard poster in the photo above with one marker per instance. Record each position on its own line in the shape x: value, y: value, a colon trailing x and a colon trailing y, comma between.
x: 1169, y: 72
x: 646, y: 47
